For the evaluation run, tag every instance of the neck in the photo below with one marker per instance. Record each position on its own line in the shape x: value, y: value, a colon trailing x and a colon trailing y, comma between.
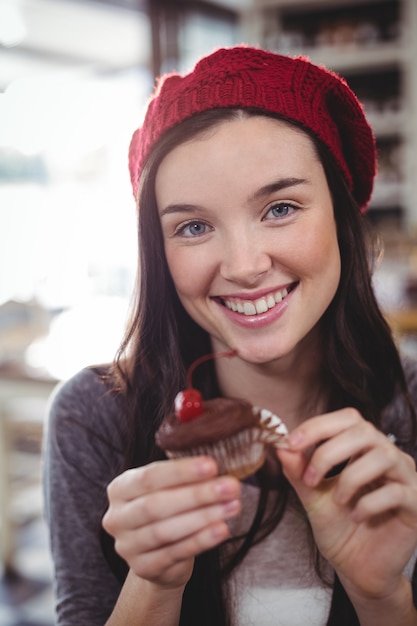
x: 291, y: 387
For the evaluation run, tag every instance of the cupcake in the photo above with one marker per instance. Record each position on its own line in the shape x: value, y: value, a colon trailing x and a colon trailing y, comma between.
x: 232, y: 431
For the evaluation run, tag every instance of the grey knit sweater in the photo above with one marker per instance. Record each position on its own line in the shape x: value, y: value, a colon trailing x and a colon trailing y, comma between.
x: 84, y: 445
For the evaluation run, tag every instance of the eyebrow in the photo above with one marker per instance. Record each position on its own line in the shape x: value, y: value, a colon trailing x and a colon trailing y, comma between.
x: 178, y: 208
x: 262, y: 192
x: 277, y: 185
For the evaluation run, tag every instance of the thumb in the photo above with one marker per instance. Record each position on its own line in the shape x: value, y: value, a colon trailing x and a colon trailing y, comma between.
x: 294, y: 464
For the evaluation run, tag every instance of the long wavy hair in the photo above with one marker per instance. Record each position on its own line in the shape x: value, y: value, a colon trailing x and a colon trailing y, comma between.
x: 361, y: 364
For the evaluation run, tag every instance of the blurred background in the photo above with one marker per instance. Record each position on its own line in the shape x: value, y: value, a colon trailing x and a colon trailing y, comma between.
x: 75, y: 76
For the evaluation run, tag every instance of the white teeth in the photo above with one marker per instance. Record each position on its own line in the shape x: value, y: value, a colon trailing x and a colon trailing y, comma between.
x: 249, y: 308
x: 261, y: 305
x: 270, y: 301
x: 254, y: 307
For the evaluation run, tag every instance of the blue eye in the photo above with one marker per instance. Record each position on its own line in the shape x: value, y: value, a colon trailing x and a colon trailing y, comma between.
x: 193, y: 229
x: 281, y: 209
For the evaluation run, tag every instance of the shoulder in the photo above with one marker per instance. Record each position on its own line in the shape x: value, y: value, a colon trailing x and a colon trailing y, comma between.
x: 410, y: 371
x: 87, y: 386
x: 397, y: 404
x: 87, y: 411
x: 396, y: 415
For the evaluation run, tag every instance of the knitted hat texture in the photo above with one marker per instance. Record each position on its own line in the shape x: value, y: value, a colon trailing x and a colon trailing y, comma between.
x: 246, y: 77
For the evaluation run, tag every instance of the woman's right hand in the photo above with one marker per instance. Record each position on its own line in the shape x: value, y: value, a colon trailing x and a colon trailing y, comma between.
x: 163, y: 514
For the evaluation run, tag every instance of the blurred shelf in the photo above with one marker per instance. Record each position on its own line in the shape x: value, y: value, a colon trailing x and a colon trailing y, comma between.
x: 354, y: 57
x: 403, y: 321
x: 23, y: 404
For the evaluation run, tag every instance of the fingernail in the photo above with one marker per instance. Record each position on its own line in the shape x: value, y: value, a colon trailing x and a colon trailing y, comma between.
x: 231, y: 508
x: 225, y: 487
x: 219, y: 531
x: 204, y: 467
x: 295, y: 439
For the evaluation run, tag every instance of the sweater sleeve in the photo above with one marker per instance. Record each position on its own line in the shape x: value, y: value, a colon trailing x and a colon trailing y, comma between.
x: 82, y: 454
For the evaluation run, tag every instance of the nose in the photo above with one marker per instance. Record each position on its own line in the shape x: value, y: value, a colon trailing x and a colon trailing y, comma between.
x: 245, y: 260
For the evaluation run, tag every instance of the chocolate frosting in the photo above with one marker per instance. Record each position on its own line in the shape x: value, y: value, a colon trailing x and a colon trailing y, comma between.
x: 221, y: 418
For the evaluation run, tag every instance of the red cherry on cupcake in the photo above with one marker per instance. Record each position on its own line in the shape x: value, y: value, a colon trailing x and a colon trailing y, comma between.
x: 188, y: 405
x: 189, y: 402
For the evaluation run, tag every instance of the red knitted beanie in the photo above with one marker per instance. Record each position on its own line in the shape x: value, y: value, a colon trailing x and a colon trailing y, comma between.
x: 245, y: 77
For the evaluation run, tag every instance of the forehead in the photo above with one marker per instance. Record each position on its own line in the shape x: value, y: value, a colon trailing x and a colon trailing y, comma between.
x: 242, y: 121
x: 241, y: 149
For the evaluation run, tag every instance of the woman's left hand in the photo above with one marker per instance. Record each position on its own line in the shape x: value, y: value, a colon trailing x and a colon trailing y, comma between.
x: 364, y: 519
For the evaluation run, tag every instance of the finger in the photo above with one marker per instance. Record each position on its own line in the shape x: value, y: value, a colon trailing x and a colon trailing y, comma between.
x: 293, y: 463
x: 149, y: 565
x: 170, y: 531
x: 168, y: 503
x: 317, y: 429
x: 160, y: 474
x: 392, y: 497
x: 342, y: 447
x: 167, y: 532
x: 385, y: 463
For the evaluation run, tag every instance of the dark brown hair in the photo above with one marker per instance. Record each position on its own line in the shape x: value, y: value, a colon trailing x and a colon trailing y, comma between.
x: 361, y: 363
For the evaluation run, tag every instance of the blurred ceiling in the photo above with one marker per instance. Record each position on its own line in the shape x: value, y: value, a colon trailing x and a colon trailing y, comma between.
x: 38, y: 36
x: 99, y: 36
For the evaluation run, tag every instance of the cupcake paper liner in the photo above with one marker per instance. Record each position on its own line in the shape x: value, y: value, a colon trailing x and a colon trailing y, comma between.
x: 273, y: 429
x: 243, y: 453
x: 240, y: 455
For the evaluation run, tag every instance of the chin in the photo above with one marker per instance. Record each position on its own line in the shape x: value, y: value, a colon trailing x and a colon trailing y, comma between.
x: 257, y: 350
x: 260, y: 357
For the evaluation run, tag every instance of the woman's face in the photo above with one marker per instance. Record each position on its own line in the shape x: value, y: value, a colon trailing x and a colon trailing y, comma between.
x: 250, y: 236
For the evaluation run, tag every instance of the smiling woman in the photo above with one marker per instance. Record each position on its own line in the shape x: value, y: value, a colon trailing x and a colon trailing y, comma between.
x: 230, y: 240
x: 252, y: 175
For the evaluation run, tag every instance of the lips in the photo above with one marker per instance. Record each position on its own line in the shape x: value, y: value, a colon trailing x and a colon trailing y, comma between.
x: 256, y: 306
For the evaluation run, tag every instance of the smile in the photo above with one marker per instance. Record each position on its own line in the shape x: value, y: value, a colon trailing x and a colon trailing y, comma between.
x: 256, y: 307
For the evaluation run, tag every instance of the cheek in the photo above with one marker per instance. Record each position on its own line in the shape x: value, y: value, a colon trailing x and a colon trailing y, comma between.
x: 319, y: 256
x: 330, y: 269
x: 190, y: 270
